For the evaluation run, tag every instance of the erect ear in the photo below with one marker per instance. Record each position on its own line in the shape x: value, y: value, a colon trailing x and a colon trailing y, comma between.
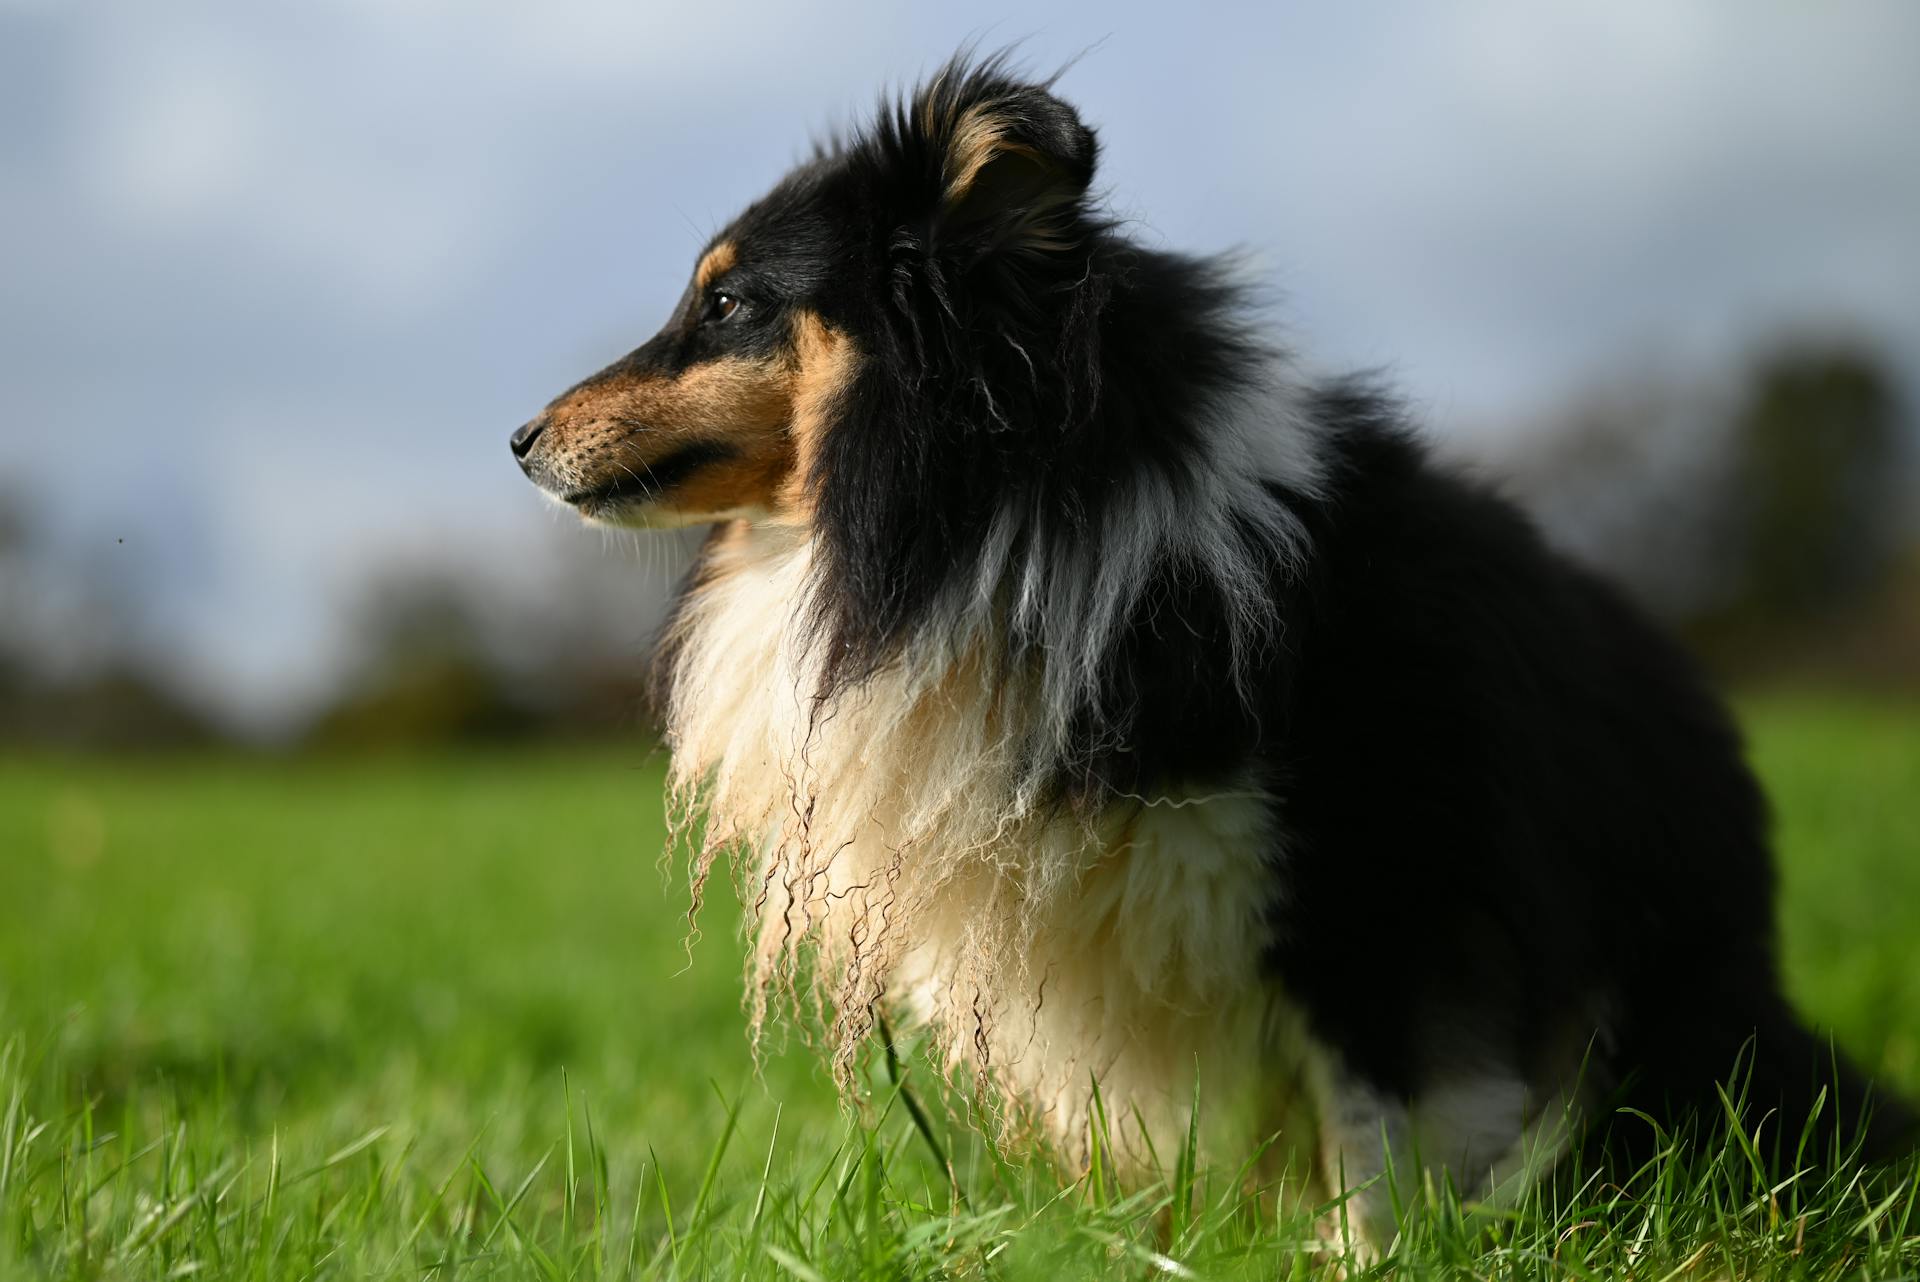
x: 1015, y: 165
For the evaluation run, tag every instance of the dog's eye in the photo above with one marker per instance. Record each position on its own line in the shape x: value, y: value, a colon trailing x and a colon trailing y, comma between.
x: 721, y: 306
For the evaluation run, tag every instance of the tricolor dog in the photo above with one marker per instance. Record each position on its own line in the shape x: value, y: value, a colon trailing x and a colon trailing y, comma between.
x: 1073, y: 678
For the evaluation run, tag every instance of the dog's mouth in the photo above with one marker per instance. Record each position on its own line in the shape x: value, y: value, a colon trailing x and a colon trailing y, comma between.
x: 647, y: 482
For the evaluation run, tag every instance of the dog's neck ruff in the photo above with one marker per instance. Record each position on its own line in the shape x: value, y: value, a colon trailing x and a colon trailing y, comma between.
x: 896, y: 842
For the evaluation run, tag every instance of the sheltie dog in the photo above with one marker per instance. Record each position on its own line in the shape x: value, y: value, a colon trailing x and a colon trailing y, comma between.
x: 1068, y: 674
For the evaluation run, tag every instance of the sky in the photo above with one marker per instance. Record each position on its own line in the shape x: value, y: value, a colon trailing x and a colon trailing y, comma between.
x: 277, y: 280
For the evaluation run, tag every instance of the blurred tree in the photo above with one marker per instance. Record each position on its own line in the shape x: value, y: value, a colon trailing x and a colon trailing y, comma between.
x: 1764, y: 516
x: 113, y: 709
x: 69, y: 676
x: 423, y: 673
x: 13, y: 525
x: 1634, y: 480
x: 443, y: 656
x: 1819, y: 452
x: 13, y: 538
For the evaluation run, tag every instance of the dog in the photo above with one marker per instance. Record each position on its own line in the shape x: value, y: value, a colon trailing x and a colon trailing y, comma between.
x: 1070, y: 675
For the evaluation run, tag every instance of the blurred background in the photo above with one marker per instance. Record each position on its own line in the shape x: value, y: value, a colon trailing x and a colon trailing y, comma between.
x: 279, y: 280
x: 327, y: 812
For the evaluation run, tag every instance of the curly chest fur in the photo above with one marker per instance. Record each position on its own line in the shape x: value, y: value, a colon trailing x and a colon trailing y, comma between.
x: 891, y: 852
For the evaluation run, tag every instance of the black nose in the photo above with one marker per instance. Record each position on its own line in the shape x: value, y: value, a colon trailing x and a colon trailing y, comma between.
x: 523, y: 439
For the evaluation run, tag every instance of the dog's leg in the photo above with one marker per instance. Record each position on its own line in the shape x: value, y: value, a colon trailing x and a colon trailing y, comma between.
x: 1493, y: 1135
x: 1486, y: 1131
x: 1365, y: 1154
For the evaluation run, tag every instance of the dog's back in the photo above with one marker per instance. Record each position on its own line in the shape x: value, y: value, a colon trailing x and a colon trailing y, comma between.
x: 1529, y: 805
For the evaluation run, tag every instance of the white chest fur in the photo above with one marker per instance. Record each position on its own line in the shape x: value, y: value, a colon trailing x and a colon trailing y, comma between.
x: 891, y: 852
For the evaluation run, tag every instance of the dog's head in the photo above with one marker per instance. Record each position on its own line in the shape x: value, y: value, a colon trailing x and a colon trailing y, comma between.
x: 904, y: 280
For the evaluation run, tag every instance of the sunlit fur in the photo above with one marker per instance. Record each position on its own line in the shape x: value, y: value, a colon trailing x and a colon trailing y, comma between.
x: 902, y: 839
x: 1072, y: 677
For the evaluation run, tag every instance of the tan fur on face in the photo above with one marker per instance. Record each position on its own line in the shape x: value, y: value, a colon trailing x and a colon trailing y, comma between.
x: 718, y: 262
x: 768, y: 412
x: 826, y: 361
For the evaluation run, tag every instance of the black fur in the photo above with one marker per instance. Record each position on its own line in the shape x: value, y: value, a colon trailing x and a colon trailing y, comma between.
x: 1527, y: 804
x: 1513, y: 813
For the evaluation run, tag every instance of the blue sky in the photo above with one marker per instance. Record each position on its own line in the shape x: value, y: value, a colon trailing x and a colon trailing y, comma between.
x: 278, y: 279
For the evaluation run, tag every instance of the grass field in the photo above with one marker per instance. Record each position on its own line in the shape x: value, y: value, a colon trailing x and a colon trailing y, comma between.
x: 402, y: 1018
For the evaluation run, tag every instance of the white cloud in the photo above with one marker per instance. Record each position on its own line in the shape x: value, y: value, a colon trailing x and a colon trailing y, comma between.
x: 182, y: 131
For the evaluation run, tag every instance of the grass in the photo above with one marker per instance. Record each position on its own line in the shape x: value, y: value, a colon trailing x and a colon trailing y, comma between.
x: 401, y: 1018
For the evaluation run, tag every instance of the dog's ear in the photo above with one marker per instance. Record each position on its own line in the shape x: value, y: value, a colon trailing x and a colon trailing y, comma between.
x: 1015, y: 163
